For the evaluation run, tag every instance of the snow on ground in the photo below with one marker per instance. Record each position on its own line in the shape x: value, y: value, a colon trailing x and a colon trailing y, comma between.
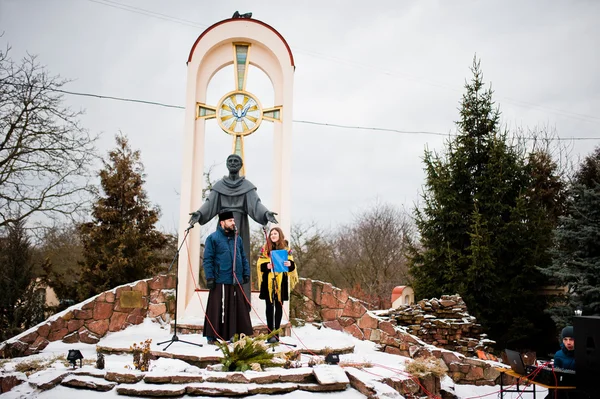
x: 309, y: 336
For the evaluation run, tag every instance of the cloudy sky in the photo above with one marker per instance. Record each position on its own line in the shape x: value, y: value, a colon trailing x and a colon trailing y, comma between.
x: 398, y: 65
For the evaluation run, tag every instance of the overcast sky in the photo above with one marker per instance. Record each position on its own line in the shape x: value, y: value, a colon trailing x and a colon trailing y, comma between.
x: 386, y: 64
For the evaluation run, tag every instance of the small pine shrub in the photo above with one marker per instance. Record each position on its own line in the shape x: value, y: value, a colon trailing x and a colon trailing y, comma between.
x: 248, y: 353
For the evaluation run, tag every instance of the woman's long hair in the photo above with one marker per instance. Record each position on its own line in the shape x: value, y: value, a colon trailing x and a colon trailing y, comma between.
x: 281, y: 244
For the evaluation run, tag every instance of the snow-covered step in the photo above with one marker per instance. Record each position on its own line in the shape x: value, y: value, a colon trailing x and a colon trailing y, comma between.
x: 88, y: 382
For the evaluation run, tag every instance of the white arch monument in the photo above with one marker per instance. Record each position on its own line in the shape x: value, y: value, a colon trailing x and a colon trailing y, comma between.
x: 241, y: 42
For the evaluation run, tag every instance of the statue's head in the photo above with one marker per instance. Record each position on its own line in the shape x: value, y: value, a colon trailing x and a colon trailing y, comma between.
x: 234, y: 163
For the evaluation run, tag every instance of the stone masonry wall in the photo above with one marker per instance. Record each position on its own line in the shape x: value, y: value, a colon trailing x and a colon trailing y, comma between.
x: 444, y: 322
x: 316, y: 301
x: 92, y: 319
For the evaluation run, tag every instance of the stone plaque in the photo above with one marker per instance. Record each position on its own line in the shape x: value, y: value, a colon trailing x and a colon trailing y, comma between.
x: 131, y: 299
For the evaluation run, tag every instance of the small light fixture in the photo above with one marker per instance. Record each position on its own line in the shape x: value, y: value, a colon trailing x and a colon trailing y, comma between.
x: 578, y: 312
x: 73, y: 356
x: 332, y: 358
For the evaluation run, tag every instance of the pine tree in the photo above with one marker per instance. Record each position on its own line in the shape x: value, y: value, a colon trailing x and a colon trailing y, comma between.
x: 121, y: 244
x: 577, y: 256
x: 479, y: 225
x: 21, y: 305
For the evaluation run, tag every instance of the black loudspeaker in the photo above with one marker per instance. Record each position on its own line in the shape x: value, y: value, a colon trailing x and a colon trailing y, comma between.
x: 587, y: 352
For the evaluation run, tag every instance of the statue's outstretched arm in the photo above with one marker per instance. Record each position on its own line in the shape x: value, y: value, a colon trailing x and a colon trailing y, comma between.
x: 206, y: 212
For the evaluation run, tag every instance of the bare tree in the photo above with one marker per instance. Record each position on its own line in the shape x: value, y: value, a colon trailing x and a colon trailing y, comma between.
x: 371, y: 253
x: 44, y: 152
x: 313, y: 253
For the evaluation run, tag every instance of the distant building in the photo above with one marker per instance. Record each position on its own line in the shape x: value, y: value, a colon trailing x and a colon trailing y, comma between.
x: 402, y: 295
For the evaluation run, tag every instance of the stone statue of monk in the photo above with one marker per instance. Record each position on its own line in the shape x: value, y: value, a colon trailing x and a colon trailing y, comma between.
x: 236, y: 194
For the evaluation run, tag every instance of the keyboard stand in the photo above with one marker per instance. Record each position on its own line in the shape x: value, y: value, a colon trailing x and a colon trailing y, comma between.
x: 518, y: 388
x: 526, y: 381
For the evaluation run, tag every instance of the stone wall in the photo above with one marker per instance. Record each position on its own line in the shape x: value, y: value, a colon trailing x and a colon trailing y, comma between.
x: 92, y: 319
x: 316, y: 301
x: 444, y: 323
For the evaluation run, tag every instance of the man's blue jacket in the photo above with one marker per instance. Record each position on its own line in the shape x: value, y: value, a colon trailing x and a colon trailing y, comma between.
x: 218, y: 258
x: 564, y: 358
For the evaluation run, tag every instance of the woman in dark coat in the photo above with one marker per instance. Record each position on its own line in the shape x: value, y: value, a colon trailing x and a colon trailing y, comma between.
x: 275, y: 286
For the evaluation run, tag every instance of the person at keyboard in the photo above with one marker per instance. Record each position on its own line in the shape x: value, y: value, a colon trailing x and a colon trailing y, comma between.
x: 565, y: 356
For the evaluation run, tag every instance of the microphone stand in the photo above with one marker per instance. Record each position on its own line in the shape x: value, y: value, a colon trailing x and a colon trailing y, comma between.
x: 175, y: 338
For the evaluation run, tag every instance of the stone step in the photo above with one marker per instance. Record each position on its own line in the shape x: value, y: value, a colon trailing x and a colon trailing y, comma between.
x: 220, y: 389
x: 87, y: 382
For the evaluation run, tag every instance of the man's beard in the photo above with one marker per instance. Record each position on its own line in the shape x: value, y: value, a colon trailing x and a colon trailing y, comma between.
x: 229, y: 230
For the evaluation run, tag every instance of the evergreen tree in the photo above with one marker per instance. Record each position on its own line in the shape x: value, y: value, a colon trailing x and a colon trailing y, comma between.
x: 577, y: 255
x: 121, y: 244
x: 480, y: 227
x: 21, y: 303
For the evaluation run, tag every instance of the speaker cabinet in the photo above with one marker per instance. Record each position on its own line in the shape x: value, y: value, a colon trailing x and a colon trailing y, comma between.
x: 587, y: 351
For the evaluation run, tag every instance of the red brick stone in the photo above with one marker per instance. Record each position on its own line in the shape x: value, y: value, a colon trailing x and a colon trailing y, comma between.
x: 449, y: 358
x: 354, y: 309
x: 119, y: 290
x: 317, y: 290
x: 88, y: 337
x: 83, y: 314
x: 476, y: 373
x: 406, y: 337
x: 29, y: 338
x: 103, y: 310
x: 136, y: 316
x: 157, y: 296
x: 164, y: 281
x: 374, y: 335
x: 109, y: 297
x: 8, y: 382
x: 141, y: 286
x: 117, y: 321
x: 341, y: 295
x: 327, y: 288
x: 58, y: 334
x: 39, y: 344
x: 155, y: 283
x: 58, y: 324
x: 367, y: 321
x: 464, y: 368
x: 431, y: 384
x: 346, y: 321
x: 354, y: 331
x: 392, y: 350
x: 98, y: 327
x: 71, y: 338
x: 155, y: 310
x: 88, y: 305
x: 74, y: 325
x: 307, y: 288
x: 387, y: 327
x: 330, y: 314
x: 333, y: 324
x: 44, y: 330
x: 331, y: 302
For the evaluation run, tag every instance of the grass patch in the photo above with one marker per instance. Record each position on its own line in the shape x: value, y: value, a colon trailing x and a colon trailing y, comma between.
x: 33, y: 366
x: 422, y: 367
